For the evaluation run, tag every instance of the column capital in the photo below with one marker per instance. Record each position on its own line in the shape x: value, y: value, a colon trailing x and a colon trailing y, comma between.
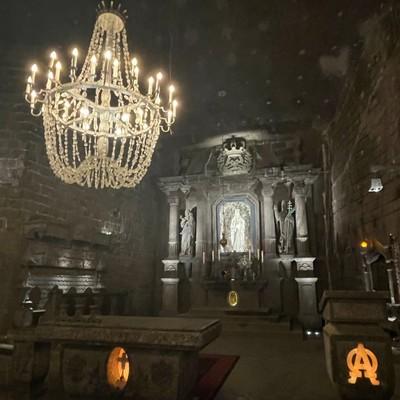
x: 173, y: 187
x: 300, y: 188
x: 267, y: 186
x: 172, y: 198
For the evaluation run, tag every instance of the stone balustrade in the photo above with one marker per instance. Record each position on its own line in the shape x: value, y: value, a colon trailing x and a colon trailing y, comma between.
x: 57, y: 304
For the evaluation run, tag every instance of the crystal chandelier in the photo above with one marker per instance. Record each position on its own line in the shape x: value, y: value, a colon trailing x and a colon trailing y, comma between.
x: 100, y: 129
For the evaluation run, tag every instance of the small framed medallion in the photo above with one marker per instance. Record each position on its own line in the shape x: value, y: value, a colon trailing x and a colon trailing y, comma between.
x: 233, y: 298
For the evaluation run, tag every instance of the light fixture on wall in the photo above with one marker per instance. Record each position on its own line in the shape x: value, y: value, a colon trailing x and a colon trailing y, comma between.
x: 100, y: 129
x: 377, y: 171
x: 376, y: 185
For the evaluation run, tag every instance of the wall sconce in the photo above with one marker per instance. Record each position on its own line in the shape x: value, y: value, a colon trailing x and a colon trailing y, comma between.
x: 376, y: 170
x: 376, y: 185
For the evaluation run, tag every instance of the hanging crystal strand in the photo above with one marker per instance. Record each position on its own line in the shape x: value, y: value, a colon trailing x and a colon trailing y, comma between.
x: 89, y: 180
x: 101, y: 173
x: 86, y: 64
x: 73, y: 150
x: 65, y: 146
x: 96, y: 174
x: 85, y: 146
x: 130, y: 150
x: 114, y: 144
x: 138, y: 144
x: 125, y: 50
x: 121, y: 151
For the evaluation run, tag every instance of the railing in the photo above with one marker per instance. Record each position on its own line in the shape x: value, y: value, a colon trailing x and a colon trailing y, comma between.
x: 60, y: 305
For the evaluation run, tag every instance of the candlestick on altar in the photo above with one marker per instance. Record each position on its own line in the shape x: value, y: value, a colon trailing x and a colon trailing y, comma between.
x: 258, y: 254
x: 249, y: 254
x: 212, y: 256
x: 204, y: 257
x: 262, y: 256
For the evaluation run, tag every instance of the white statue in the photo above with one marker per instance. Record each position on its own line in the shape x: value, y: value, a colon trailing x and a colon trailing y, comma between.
x: 187, y: 233
x: 285, y: 223
x: 237, y: 230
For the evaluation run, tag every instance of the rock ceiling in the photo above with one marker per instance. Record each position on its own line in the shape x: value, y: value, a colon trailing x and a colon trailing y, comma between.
x: 274, y: 64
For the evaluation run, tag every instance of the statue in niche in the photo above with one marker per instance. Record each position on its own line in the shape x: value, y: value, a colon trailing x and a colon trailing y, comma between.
x: 187, y: 233
x: 285, y: 223
x: 237, y: 228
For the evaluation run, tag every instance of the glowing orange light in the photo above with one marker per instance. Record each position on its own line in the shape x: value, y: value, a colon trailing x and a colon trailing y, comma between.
x: 362, y: 362
x: 364, y: 244
x: 118, y: 368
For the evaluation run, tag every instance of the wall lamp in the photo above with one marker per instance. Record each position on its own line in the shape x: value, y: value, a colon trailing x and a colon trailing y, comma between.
x: 376, y: 181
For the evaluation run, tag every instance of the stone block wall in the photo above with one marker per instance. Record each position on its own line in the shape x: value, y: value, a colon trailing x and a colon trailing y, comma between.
x: 52, y: 232
x: 366, y: 133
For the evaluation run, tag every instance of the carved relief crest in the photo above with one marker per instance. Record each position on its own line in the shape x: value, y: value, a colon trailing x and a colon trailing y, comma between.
x: 234, y: 157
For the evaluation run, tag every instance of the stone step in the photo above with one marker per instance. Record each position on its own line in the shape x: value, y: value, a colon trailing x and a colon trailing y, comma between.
x: 244, y: 321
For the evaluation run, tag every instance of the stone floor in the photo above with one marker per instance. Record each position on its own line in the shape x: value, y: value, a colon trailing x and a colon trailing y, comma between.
x: 275, y: 364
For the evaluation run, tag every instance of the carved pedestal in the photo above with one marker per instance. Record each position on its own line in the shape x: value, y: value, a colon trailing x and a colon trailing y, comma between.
x: 357, y: 350
x: 170, y: 288
x: 308, y: 314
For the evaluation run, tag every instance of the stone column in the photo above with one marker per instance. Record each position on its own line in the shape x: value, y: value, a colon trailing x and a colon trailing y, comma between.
x: 269, y: 232
x: 171, y: 276
x: 173, y: 236
x: 200, y: 270
x: 200, y: 226
x: 270, y: 266
x: 302, y: 239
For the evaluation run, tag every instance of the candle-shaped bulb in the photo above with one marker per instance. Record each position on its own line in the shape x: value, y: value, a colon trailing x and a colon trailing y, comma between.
x: 28, y: 85
x: 139, y: 116
x: 169, y: 117
x: 151, y: 83
x: 134, y: 62
x: 84, y: 112
x: 50, y: 77
x: 108, y: 55
x: 115, y: 68
x: 125, y: 117
x: 58, y: 71
x: 74, y: 61
x: 136, y: 73
x: 174, y: 107
x: 93, y: 65
x: 53, y: 58
x: 33, y: 98
x: 159, y: 77
x: 171, y: 93
x: 34, y: 70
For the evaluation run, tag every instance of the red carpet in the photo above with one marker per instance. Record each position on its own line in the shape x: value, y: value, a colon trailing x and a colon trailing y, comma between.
x: 214, y: 369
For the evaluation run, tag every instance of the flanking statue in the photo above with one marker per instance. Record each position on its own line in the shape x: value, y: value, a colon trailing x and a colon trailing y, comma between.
x: 187, y: 233
x: 285, y: 224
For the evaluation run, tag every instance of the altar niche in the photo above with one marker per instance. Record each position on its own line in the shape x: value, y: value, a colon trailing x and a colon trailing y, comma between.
x: 239, y: 225
x: 236, y: 219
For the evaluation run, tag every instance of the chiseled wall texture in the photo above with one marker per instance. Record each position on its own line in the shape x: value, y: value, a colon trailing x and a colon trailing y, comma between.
x: 31, y: 194
x: 365, y: 133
